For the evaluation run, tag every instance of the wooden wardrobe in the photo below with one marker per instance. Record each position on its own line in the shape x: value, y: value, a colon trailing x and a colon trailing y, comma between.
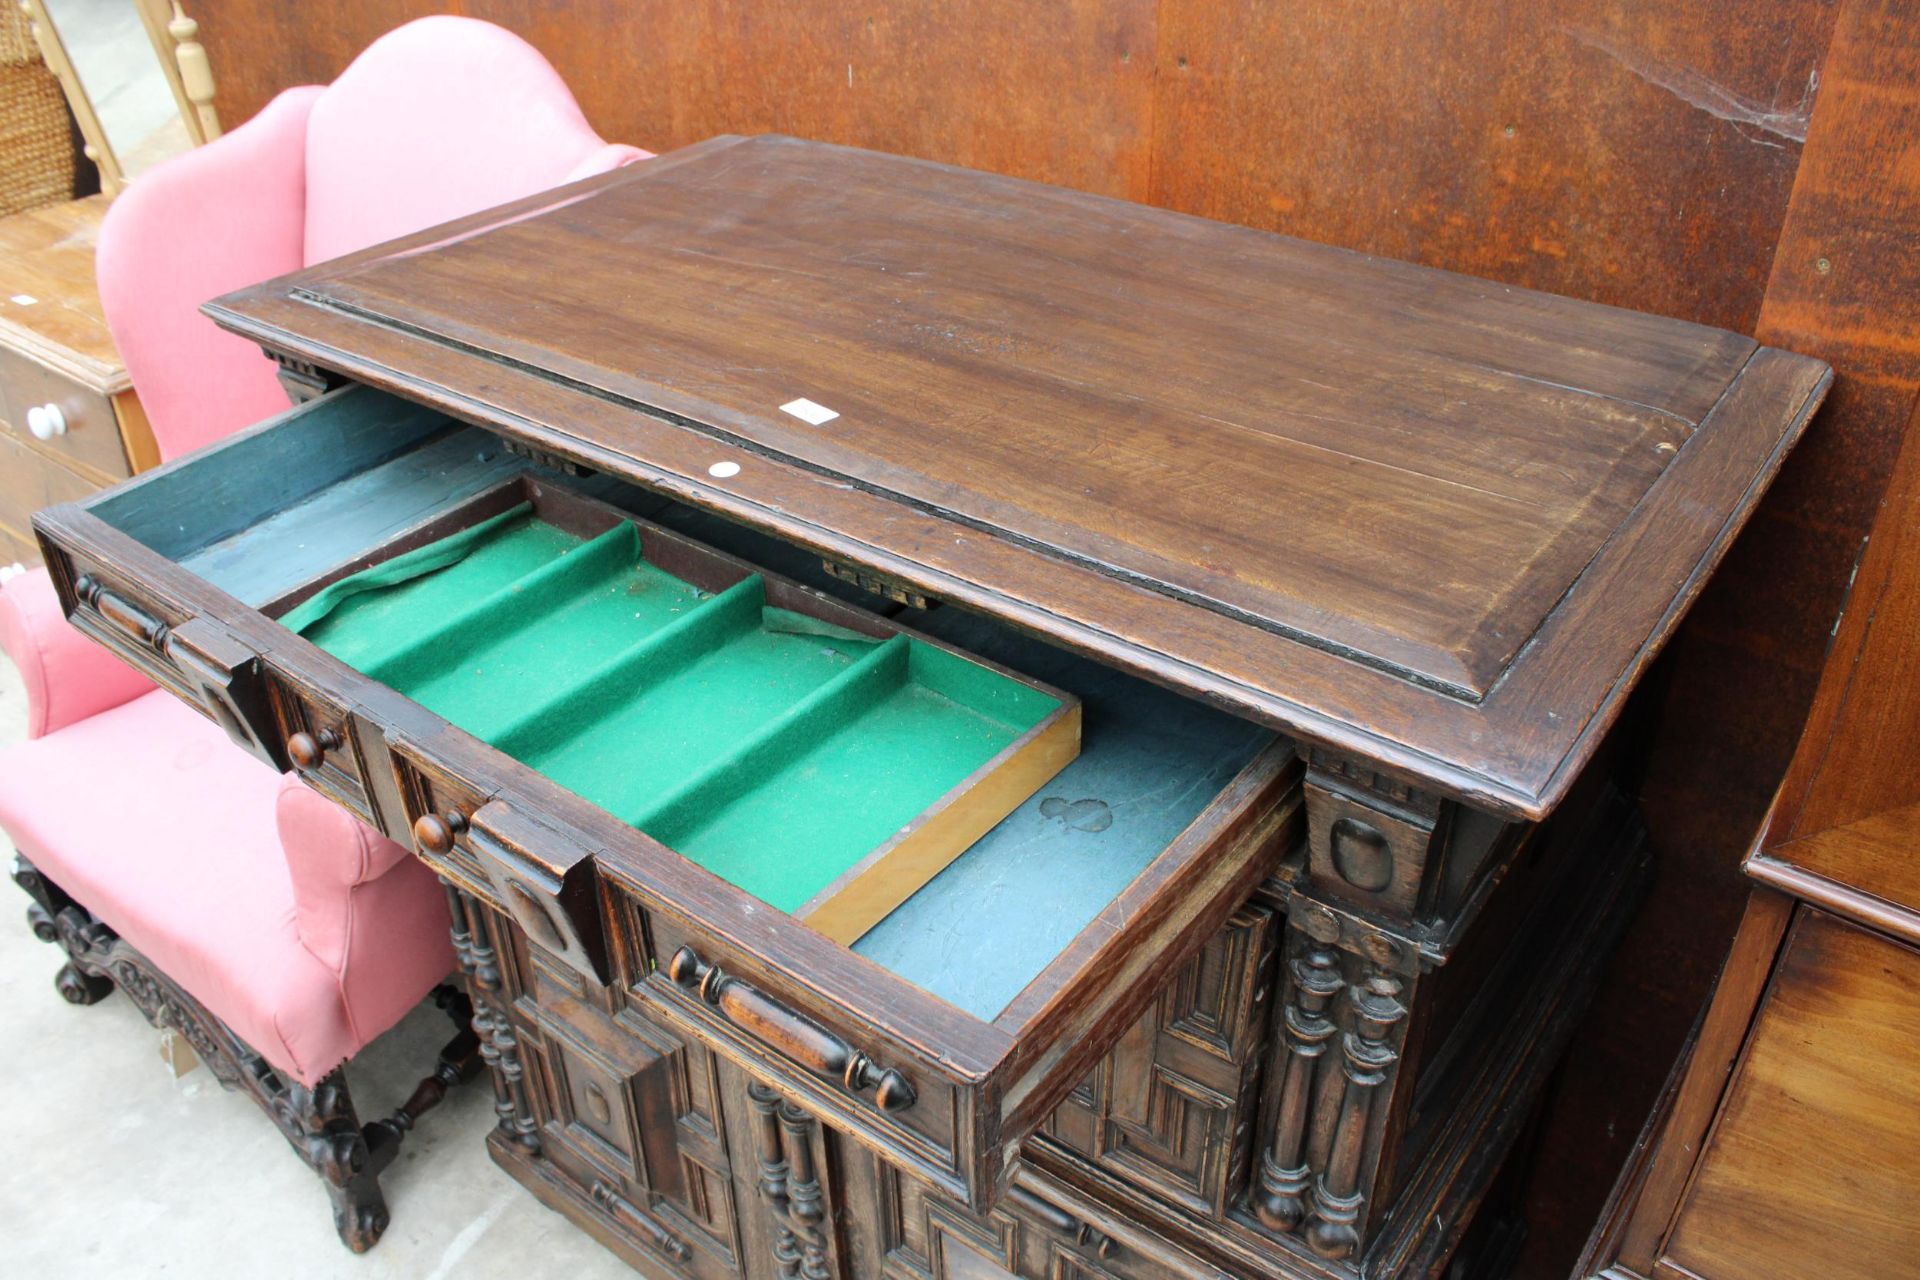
x: 1788, y: 1142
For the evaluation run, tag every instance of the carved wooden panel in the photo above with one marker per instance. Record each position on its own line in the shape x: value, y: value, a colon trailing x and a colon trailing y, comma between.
x: 923, y: 1234
x: 788, y: 1175
x: 919, y: 1234
x: 631, y: 1113
x: 617, y: 1117
x: 1170, y: 1109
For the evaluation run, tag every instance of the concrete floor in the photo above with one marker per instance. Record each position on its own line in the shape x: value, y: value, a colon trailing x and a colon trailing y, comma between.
x: 109, y: 1167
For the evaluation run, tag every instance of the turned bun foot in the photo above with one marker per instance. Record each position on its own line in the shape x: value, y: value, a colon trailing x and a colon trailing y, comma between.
x: 81, y: 988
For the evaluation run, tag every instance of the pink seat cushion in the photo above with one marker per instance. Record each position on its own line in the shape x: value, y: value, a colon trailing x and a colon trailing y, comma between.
x: 147, y: 815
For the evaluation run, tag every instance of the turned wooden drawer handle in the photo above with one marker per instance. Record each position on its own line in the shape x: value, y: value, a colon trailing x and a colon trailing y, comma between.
x: 122, y: 613
x: 307, y: 750
x: 623, y: 1211
x: 435, y: 832
x: 813, y: 1047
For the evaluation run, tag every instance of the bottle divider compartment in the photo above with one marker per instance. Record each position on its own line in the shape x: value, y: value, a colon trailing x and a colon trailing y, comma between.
x: 791, y: 744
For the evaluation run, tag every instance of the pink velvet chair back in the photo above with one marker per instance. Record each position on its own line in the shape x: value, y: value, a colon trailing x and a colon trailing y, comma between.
x: 437, y: 119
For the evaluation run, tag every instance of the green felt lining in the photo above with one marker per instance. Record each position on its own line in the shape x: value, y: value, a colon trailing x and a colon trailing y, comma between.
x: 402, y: 568
x: 774, y: 748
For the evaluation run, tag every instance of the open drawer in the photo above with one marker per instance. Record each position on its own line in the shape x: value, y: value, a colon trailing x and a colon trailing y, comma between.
x: 940, y: 1036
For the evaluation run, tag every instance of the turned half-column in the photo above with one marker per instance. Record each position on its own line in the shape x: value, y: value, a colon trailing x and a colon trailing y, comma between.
x: 1285, y: 1176
x: 1385, y: 866
x: 499, y: 1046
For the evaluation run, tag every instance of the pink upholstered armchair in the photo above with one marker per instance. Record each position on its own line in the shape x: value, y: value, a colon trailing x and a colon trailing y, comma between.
x: 275, y: 932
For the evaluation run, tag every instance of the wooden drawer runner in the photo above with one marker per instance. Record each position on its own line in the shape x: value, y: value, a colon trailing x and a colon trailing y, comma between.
x: 939, y: 1039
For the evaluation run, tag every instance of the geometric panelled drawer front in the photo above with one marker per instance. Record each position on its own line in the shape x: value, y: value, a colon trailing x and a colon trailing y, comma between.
x: 1169, y: 1110
x: 628, y: 1114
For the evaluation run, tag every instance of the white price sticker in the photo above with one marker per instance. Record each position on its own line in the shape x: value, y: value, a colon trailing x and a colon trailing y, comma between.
x: 808, y: 412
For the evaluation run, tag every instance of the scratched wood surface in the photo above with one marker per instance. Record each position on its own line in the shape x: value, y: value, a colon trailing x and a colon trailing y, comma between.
x: 936, y: 310
x: 1388, y: 509
x: 1845, y: 286
x: 1464, y: 136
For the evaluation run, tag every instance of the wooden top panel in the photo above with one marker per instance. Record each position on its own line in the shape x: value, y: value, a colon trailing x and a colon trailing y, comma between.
x: 46, y: 255
x: 1276, y: 464
x: 1409, y: 467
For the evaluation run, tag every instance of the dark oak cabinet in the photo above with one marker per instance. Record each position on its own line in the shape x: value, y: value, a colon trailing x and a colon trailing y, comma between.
x: 1351, y: 567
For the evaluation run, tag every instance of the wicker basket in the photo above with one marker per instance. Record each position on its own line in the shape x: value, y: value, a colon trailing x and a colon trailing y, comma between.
x: 37, y: 159
x: 16, y: 35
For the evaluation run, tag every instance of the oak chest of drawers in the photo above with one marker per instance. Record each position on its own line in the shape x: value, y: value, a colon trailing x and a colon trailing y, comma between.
x: 1351, y: 567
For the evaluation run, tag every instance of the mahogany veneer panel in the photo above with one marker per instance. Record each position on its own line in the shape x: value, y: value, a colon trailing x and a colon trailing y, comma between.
x: 1874, y: 856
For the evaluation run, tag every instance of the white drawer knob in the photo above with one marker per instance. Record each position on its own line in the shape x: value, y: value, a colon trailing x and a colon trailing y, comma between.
x: 46, y: 421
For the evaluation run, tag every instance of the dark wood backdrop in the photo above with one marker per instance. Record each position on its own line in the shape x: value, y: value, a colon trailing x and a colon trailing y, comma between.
x: 1755, y: 166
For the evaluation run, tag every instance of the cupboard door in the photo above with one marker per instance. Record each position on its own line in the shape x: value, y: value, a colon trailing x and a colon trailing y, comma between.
x: 1810, y: 1168
x: 631, y: 1115
x: 604, y: 1115
x: 900, y: 1228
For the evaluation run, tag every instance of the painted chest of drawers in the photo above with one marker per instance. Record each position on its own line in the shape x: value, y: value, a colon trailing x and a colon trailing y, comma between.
x: 1350, y: 566
x: 69, y: 420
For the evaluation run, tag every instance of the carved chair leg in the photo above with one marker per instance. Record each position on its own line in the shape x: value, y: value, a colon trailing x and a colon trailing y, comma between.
x: 320, y: 1122
x: 323, y: 1126
x: 350, y: 1157
x: 78, y: 987
x: 49, y: 899
x: 49, y: 905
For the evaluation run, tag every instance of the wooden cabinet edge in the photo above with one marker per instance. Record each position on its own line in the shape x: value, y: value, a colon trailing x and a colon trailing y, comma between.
x: 136, y: 432
x: 1854, y: 905
x: 1675, y: 1135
